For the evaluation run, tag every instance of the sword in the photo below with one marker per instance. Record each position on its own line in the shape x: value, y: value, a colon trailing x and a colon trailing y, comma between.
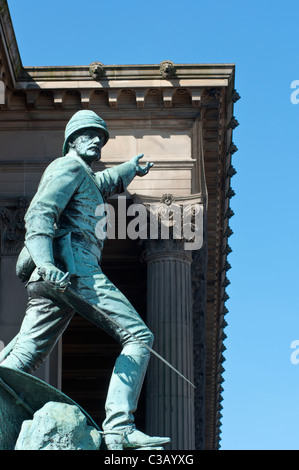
x: 77, y: 297
x: 85, y: 303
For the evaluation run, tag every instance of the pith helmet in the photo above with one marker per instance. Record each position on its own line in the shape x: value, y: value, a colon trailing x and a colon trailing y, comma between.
x: 82, y: 120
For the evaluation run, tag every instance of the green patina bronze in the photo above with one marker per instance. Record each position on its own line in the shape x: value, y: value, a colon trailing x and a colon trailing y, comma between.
x: 62, y: 254
x: 21, y: 395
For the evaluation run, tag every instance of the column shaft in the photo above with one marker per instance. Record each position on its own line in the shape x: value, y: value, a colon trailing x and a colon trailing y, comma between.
x: 170, y: 399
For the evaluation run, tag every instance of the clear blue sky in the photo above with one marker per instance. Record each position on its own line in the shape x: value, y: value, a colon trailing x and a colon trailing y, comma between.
x: 261, y: 397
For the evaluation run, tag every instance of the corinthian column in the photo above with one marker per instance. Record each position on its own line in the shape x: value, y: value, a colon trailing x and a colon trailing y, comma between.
x: 169, y: 398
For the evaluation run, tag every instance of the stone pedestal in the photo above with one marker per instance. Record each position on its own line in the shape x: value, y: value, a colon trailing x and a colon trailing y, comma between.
x: 170, y: 399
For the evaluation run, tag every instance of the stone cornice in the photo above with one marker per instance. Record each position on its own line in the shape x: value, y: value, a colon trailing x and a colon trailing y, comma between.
x: 79, y: 94
x: 115, y: 75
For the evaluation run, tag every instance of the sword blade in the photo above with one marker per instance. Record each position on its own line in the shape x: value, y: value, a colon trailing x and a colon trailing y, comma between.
x: 75, y: 295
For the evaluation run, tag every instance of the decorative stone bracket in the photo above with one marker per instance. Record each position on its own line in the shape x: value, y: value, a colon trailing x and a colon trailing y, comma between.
x: 34, y: 96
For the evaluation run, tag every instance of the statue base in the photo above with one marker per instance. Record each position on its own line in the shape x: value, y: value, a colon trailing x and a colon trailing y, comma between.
x: 22, y: 396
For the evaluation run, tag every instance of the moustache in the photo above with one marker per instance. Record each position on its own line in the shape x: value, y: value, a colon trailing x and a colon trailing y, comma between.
x: 93, y: 147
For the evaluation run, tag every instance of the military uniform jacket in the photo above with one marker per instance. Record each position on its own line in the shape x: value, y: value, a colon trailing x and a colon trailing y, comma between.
x: 68, y: 196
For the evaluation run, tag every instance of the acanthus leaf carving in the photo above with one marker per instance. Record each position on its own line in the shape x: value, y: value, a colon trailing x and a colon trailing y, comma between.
x: 12, y: 227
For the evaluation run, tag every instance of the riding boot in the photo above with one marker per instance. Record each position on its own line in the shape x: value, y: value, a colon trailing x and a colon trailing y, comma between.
x: 122, y: 399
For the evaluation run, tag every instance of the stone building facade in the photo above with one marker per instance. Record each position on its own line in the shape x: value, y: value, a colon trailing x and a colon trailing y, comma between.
x: 181, y: 117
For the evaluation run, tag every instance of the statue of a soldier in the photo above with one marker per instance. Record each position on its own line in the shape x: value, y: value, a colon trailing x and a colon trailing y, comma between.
x: 61, y: 238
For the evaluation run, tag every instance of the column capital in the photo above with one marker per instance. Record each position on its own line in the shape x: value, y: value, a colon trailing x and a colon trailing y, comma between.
x: 158, y: 250
x: 177, y: 223
x: 168, y: 199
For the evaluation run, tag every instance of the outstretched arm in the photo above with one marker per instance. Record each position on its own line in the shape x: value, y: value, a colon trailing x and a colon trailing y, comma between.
x: 117, y: 179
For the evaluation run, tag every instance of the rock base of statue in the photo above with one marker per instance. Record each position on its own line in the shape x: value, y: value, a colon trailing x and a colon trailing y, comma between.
x: 58, y: 426
x: 22, y: 402
x: 37, y: 416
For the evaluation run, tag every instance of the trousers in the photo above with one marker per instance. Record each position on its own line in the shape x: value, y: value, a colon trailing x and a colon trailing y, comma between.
x: 47, y: 316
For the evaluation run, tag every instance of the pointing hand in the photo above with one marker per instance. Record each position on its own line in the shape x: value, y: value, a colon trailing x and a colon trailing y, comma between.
x: 141, y: 170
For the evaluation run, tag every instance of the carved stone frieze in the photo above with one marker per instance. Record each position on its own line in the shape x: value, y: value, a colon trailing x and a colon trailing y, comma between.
x: 12, y: 229
x: 142, y: 97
